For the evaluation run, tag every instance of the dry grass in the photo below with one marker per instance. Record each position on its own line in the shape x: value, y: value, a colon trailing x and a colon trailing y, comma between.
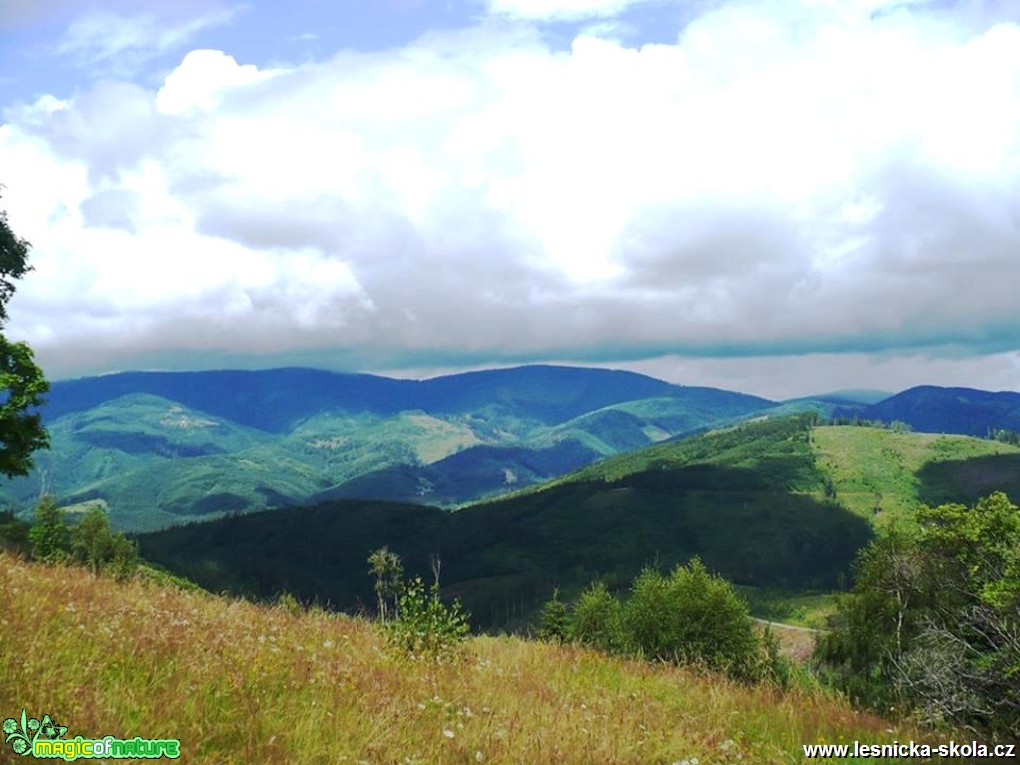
x: 241, y: 683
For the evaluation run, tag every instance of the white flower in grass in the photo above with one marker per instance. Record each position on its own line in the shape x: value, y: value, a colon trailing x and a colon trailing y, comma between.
x: 448, y: 733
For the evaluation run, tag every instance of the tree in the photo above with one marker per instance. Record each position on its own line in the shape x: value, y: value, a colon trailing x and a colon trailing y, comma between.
x: 554, y: 619
x: 933, y: 621
x: 95, y: 545
x: 22, y: 383
x: 388, y: 571
x: 48, y: 535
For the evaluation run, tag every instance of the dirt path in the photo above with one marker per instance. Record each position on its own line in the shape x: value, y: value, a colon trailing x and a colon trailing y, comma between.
x: 797, y: 643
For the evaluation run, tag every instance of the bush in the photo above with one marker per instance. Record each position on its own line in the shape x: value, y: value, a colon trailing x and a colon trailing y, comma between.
x: 692, y: 617
x: 425, y: 627
x: 554, y: 620
x: 598, y: 620
x: 689, y: 617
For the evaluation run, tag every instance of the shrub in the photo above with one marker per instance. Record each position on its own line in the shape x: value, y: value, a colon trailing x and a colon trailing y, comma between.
x: 285, y: 601
x: 425, y: 627
x: 692, y: 616
x: 689, y: 617
x: 554, y: 620
x: 597, y: 619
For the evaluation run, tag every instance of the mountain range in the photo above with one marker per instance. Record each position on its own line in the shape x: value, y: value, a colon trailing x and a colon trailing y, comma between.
x: 162, y: 448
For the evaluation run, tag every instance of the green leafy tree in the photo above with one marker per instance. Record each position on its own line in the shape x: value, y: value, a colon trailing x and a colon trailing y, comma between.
x: 651, y: 617
x: 49, y: 536
x: 878, y: 619
x: 22, y: 384
x: 933, y: 621
x: 95, y: 545
x: 388, y: 571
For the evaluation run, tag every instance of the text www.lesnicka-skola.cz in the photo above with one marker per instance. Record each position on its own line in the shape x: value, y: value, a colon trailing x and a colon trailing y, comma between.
x: 970, y: 749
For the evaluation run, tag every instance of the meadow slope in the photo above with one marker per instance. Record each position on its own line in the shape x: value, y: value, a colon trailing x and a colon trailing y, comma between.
x: 242, y: 683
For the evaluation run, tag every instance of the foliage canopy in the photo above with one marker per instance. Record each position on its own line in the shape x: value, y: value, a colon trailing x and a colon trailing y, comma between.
x: 933, y: 621
x: 22, y: 383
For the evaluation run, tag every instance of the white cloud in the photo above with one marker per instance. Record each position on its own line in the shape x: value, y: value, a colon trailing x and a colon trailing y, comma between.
x: 788, y: 178
x: 546, y: 10
x: 117, y: 41
x: 200, y: 79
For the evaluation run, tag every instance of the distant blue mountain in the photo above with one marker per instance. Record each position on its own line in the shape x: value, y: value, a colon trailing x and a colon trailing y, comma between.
x: 932, y: 409
x: 164, y: 447
x: 274, y: 400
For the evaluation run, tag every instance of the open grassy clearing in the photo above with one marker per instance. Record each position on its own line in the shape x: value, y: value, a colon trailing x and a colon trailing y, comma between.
x: 880, y: 474
x: 241, y: 683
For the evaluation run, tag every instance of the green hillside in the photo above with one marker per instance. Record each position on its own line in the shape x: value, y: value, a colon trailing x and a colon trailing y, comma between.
x: 884, y: 474
x: 749, y: 501
x: 778, y: 506
x: 163, y: 448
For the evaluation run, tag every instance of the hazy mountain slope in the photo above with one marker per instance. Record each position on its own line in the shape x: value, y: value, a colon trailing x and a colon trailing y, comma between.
x: 932, y: 409
x: 484, y: 470
x: 274, y: 400
x: 160, y: 447
x: 472, y: 474
x: 855, y: 396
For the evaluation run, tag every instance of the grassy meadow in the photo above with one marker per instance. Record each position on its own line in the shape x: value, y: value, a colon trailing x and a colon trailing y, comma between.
x: 238, y: 682
x: 885, y: 475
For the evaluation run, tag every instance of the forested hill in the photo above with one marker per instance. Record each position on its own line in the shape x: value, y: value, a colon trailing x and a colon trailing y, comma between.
x: 758, y: 516
x: 774, y: 503
x: 162, y: 448
x: 932, y: 409
x: 277, y: 399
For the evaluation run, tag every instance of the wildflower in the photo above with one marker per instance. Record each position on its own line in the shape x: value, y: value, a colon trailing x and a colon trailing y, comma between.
x: 448, y: 733
x: 327, y: 643
x: 479, y: 756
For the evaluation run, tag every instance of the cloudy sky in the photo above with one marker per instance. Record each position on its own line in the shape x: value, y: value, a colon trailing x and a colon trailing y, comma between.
x: 776, y: 196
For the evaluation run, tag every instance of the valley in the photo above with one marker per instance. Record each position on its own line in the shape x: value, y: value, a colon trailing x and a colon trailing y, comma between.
x: 779, y: 507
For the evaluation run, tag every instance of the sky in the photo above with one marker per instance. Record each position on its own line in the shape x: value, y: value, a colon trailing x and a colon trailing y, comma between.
x: 781, y: 197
